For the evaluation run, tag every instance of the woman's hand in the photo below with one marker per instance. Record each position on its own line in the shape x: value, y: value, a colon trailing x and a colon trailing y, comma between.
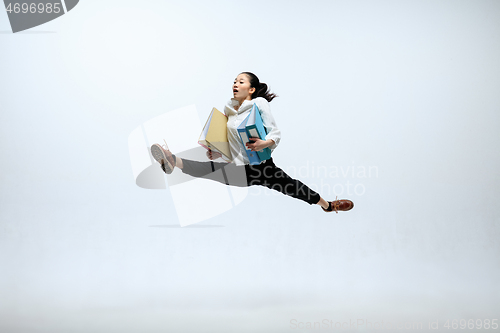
x: 213, y: 155
x: 259, y: 144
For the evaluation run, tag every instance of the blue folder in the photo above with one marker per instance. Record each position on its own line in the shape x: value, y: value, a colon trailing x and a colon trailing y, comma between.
x: 255, y: 129
x: 242, y: 131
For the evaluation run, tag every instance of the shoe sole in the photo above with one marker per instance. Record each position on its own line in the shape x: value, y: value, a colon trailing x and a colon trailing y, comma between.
x: 160, y: 157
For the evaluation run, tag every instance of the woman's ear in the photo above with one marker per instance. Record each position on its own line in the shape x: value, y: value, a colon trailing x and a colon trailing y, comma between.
x: 251, y: 91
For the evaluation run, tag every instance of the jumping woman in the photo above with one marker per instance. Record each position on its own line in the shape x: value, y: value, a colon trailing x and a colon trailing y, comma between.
x: 247, y: 90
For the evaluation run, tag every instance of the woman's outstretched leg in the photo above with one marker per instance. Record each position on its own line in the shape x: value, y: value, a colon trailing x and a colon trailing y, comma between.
x: 169, y: 161
x: 229, y: 174
x: 178, y: 163
x: 269, y: 175
x: 323, y: 203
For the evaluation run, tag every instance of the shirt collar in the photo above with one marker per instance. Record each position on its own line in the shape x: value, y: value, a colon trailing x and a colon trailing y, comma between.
x: 243, y: 107
x: 234, y: 102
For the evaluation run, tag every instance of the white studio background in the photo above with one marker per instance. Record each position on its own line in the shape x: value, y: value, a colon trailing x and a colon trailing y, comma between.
x: 406, y: 89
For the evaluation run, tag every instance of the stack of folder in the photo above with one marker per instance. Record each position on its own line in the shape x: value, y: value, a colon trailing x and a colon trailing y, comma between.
x: 214, y: 135
x: 253, y: 127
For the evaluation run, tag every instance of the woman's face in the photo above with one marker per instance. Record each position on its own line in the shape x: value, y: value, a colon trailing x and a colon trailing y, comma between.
x: 241, y: 88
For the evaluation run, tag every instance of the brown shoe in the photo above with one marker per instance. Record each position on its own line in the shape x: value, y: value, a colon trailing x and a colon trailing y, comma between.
x: 164, y: 157
x: 342, y: 205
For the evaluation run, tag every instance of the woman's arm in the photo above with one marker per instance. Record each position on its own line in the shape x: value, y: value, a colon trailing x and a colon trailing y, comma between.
x: 260, y: 144
x: 273, y: 136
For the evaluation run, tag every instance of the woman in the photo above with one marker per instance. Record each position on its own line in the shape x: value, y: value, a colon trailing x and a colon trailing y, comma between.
x: 247, y: 90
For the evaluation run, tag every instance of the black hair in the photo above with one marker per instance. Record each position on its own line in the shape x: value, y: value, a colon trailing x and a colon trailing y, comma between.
x: 261, y: 89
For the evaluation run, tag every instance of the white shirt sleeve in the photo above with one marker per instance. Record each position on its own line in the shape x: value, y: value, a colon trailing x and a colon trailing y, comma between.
x: 273, y: 132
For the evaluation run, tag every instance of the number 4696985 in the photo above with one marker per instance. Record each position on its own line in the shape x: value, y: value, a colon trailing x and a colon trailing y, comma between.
x: 33, y: 8
x: 471, y: 324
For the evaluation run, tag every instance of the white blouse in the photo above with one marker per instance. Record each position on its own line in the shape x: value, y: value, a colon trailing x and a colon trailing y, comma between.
x: 234, y: 119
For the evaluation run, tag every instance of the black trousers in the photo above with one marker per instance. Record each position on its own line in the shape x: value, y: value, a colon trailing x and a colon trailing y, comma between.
x: 265, y: 174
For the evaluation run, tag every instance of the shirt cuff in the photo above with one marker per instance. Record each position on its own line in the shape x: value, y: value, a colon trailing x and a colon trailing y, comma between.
x: 275, y: 139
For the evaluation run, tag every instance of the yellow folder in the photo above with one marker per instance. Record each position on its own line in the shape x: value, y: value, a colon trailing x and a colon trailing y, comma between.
x: 214, y: 134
